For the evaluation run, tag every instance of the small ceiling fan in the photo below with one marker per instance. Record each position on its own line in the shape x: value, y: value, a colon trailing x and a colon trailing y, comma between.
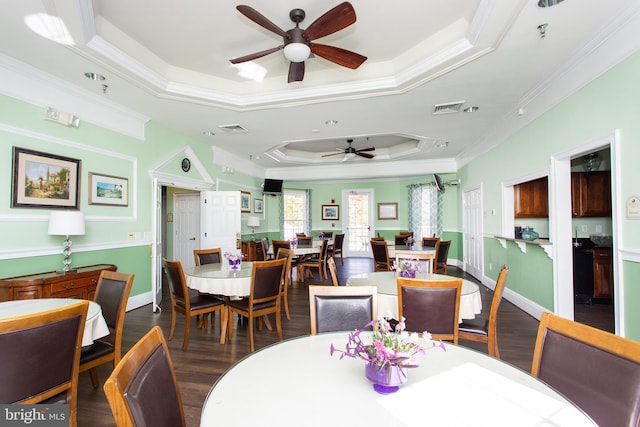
x: 298, y: 42
x: 350, y: 152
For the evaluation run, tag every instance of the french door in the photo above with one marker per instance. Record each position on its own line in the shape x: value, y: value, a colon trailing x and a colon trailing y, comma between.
x: 359, y: 219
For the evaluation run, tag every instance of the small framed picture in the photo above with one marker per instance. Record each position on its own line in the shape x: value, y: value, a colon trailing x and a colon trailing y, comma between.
x: 108, y: 190
x: 330, y: 212
x: 387, y: 210
x: 257, y: 205
x: 245, y: 201
x: 43, y: 180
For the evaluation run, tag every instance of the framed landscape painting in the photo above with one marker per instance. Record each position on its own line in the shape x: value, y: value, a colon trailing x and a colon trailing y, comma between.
x: 108, y: 190
x: 43, y: 180
x: 245, y: 201
x: 330, y: 212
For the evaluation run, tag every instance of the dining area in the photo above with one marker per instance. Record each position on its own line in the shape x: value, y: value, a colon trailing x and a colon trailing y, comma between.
x: 211, y: 377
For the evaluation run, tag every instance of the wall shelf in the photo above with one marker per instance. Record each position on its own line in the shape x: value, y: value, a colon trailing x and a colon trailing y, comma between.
x: 545, y: 244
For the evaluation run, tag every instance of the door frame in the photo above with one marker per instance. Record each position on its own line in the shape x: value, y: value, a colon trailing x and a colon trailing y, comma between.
x: 560, y: 229
x: 478, y: 233
x: 345, y: 216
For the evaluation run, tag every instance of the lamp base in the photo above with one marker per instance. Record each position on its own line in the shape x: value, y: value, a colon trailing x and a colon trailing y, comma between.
x: 70, y: 271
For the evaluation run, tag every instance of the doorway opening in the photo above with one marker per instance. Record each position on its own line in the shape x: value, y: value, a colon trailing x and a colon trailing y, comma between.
x: 358, y: 217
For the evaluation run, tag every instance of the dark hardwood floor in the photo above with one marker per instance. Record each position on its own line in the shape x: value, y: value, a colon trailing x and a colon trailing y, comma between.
x: 206, y: 359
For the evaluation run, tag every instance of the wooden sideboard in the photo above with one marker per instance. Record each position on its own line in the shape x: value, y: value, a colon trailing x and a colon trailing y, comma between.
x: 81, y: 284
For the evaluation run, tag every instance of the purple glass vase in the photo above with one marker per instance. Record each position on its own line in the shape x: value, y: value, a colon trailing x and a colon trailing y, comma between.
x: 234, y: 264
x: 408, y: 274
x: 387, y: 379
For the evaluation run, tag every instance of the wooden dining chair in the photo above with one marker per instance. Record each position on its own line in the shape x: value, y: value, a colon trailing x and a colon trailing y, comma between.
x: 264, y: 297
x: 189, y: 304
x: 40, y: 357
x: 430, y: 242
x: 331, y: 264
x: 430, y: 305
x: 596, y: 370
x: 381, y: 261
x: 317, y: 261
x: 112, y: 293
x: 143, y: 390
x: 442, y: 255
x: 207, y: 256
x: 484, y: 329
x: 288, y: 255
x: 305, y: 241
x: 336, y: 248
x: 341, y: 308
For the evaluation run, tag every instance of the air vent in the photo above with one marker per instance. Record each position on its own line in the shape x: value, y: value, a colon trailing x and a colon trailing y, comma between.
x: 451, y: 107
x: 235, y: 128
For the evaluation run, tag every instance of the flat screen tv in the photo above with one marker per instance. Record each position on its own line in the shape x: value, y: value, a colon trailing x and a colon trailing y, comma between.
x: 272, y: 186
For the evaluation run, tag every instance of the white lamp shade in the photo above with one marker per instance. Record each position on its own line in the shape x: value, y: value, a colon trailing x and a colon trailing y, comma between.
x: 66, y: 223
x: 297, y: 52
x: 253, y: 221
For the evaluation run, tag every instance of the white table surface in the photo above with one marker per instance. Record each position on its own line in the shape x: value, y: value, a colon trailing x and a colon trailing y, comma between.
x: 312, y: 388
x: 95, y: 326
x: 220, y: 279
x: 386, y: 281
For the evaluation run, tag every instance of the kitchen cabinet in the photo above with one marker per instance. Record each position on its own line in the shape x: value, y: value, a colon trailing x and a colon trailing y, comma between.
x: 593, y: 272
x: 80, y: 284
x: 531, y: 199
x: 591, y: 194
x: 602, y: 272
x: 252, y: 251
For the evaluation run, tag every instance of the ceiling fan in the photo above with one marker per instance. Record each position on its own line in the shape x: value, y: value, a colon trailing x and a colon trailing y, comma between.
x: 298, y: 42
x: 350, y: 152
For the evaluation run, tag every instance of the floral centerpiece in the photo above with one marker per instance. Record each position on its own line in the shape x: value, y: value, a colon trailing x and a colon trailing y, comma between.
x: 234, y: 259
x: 294, y: 242
x: 409, y: 241
x: 321, y: 235
x: 408, y: 267
x: 389, y: 353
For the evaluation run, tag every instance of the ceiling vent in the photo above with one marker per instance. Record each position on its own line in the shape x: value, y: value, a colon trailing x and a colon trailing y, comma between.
x: 451, y: 107
x: 235, y: 128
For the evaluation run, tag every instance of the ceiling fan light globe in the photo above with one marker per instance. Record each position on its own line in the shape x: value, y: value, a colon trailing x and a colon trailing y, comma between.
x: 350, y: 156
x: 297, y: 52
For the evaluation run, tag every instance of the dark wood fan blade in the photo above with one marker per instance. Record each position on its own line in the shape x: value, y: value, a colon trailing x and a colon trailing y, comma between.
x: 296, y: 72
x: 366, y: 149
x: 343, y: 57
x: 255, y: 55
x: 365, y: 155
x: 259, y: 19
x: 334, y: 20
x: 334, y: 154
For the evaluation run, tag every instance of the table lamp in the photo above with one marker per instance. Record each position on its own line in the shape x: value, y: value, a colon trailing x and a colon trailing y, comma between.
x: 66, y: 223
x: 253, y: 222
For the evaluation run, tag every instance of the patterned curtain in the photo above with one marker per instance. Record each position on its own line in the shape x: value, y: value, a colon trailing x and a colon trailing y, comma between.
x: 309, y: 218
x: 425, y: 212
x: 281, y: 215
x: 415, y: 210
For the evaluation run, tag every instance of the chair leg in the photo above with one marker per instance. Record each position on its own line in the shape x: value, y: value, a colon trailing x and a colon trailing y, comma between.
x: 95, y: 381
x: 278, y: 324
x: 251, y: 345
x: 285, y: 299
x: 224, y: 321
x: 187, y: 328
x: 173, y: 324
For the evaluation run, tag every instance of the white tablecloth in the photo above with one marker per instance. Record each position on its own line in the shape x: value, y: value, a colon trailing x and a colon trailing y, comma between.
x: 219, y: 279
x: 95, y: 326
x: 426, y: 255
x: 322, y: 390
x: 470, y: 298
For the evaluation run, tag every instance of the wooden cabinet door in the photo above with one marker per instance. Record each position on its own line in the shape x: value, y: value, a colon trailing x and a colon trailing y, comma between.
x: 531, y: 199
x: 591, y: 194
x: 602, y: 273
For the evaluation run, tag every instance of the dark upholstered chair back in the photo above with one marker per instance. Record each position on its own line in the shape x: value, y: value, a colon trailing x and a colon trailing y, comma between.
x: 305, y: 241
x: 39, y: 356
x: 430, y: 242
x: 430, y: 305
x: 400, y: 239
x: 112, y: 294
x: 596, y: 370
x: 341, y: 308
x: 143, y: 390
x: 277, y: 244
x: 338, y: 241
x: 207, y: 256
x: 175, y: 279
x: 380, y: 255
x: 267, y: 279
x: 443, y: 251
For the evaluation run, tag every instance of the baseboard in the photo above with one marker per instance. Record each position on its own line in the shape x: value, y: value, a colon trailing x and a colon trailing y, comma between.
x: 140, y: 300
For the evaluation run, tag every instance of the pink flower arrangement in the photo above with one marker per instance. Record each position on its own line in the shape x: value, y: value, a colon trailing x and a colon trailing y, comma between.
x: 389, y: 345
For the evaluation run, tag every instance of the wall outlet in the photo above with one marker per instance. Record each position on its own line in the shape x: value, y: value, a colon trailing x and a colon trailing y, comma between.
x: 490, y: 266
x: 131, y: 236
x: 584, y: 229
x: 598, y: 228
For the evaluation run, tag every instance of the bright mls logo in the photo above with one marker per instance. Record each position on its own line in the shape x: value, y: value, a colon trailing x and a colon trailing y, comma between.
x: 34, y: 415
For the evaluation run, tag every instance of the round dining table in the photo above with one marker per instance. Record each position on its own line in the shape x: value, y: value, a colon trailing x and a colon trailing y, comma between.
x: 95, y: 325
x: 220, y: 279
x: 298, y: 383
x: 386, y: 282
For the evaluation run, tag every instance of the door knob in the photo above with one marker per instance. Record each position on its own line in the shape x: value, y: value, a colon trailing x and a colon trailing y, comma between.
x: 193, y: 238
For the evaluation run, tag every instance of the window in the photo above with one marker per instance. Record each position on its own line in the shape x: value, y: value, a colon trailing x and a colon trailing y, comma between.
x: 429, y: 223
x: 296, y: 210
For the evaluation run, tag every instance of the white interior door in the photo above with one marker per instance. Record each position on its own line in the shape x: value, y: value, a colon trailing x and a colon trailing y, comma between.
x: 221, y: 220
x: 358, y: 217
x: 472, y: 232
x: 186, y: 226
